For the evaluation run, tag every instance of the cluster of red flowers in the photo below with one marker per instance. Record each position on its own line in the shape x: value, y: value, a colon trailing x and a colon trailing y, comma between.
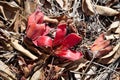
x: 61, y: 44
x: 37, y: 31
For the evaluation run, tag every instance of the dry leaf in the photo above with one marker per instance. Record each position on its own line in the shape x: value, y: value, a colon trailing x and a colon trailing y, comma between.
x: 75, y: 65
x: 106, y: 11
x: 36, y: 75
x: 112, y: 56
x: 114, y: 31
x: 63, y: 4
x: 19, y: 24
x: 27, y: 8
x: 60, y: 2
x: 117, y: 54
x: 91, y: 71
x: 23, y: 50
x: 9, y: 9
x: 87, y: 7
x: 6, y: 69
x: 23, y: 66
x: 2, y: 12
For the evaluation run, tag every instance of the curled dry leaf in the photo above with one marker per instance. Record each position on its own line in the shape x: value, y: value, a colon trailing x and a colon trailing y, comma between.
x: 5, y: 69
x: 2, y: 12
x: 114, y: 31
x: 9, y: 8
x: 112, y: 56
x: 106, y: 11
x: 90, y: 9
x: 23, y: 66
x: 87, y: 7
x: 63, y: 4
x: 78, y: 64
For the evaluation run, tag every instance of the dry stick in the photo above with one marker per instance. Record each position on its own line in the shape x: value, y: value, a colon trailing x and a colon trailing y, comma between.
x: 23, y: 50
x: 50, y: 69
x: 75, y: 6
x: 106, y: 73
x: 94, y: 55
x: 105, y: 67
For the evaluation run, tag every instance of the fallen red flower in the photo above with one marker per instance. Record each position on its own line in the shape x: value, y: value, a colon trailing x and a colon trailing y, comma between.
x: 37, y: 31
x: 101, y: 45
x: 64, y: 49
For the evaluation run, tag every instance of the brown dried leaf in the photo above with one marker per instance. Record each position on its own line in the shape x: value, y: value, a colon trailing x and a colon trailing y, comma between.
x: 18, y: 1
x: 20, y: 48
x: 47, y: 19
x: 87, y: 7
x: 117, y: 54
x: 76, y: 65
x: 2, y: 25
x: 36, y: 75
x: 106, y: 11
x: 112, y: 56
x: 23, y: 66
x: 2, y: 12
x: 114, y: 31
x: 4, y: 68
x: 63, y: 4
x: 19, y: 24
x: 9, y: 9
x: 60, y: 2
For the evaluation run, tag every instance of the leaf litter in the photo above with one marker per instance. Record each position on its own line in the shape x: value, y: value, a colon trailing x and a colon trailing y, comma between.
x: 59, y: 39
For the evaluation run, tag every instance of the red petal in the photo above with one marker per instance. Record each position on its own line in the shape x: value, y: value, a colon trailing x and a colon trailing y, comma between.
x: 30, y: 30
x: 60, y: 34
x: 36, y: 17
x: 39, y: 16
x: 40, y: 30
x: 70, y: 55
x: 44, y: 41
x: 71, y: 40
x: 99, y: 39
x: 34, y: 22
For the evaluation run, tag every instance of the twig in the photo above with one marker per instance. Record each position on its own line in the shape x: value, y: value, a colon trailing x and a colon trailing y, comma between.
x: 105, y: 67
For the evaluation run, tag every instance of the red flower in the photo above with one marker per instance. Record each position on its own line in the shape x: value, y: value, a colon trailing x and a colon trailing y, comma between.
x: 101, y: 45
x: 65, y: 43
x: 37, y: 31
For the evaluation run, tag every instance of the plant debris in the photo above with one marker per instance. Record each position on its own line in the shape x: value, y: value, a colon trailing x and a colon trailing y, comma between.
x: 60, y: 40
